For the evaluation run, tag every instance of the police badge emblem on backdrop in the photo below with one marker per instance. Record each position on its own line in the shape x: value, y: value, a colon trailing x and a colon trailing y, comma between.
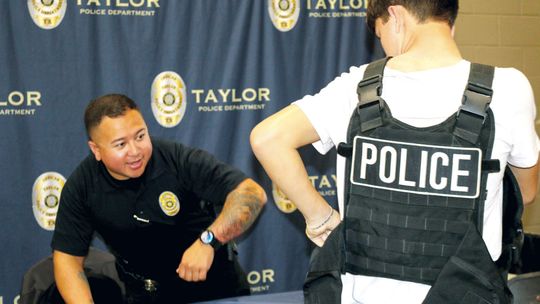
x: 47, y: 14
x: 46, y: 198
x: 284, y: 13
x: 282, y: 201
x: 168, y: 99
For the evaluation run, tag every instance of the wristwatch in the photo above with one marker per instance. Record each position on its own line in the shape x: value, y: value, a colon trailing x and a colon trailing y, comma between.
x: 208, y: 238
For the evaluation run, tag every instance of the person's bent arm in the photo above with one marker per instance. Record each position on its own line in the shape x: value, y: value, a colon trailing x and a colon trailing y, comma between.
x: 527, y: 179
x: 241, y: 208
x: 275, y: 142
x: 70, y: 278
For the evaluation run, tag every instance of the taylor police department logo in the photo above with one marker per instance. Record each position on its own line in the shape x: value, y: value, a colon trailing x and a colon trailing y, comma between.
x: 284, y: 13
x: 46, y: 197
x: 168, y: 99
x: 47, y: 14
x: 20, y: 103
x: 135, y: 8
x: 416, y: 168
x: 169, y: 203
x: 282, y: 202
x: 336, y: 8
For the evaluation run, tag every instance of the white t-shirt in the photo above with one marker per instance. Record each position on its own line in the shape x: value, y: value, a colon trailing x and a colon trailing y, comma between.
x: 423, y: 99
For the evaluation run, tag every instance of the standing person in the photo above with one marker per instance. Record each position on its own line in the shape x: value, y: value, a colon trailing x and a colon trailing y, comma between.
x: 146, y: 199
x: 419, y: 168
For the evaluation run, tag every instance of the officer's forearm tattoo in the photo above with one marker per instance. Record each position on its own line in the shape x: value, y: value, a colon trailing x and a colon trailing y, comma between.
x: 239, y: 212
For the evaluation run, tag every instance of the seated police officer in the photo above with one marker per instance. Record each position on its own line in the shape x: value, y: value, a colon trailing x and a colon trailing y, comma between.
x: 419, y: 173
x: 143, y: 197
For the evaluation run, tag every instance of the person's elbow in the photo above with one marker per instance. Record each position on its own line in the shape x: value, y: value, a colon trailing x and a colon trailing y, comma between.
x: 257, y: 191
x: 261, y: 138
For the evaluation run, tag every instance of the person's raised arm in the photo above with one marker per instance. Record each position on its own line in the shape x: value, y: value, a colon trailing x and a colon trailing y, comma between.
x: 275, y: 142
x: 70, y: 278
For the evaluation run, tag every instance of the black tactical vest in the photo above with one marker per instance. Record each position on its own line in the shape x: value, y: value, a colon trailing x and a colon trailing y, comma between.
x: 414, y: 197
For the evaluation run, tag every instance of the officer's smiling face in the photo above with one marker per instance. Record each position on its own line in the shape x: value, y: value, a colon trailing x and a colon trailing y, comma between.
x: 123, y: 144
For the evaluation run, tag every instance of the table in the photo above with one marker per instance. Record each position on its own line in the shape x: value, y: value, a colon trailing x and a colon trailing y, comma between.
x: 290, y: 297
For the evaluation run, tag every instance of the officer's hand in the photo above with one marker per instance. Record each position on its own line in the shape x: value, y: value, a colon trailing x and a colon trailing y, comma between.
x: 319, y: 231
x: 196, y: 262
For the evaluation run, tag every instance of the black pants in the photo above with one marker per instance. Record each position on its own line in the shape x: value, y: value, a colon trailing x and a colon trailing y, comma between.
x: 225, y: 279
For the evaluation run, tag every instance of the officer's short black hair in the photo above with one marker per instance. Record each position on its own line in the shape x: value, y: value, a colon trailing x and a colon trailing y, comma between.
x: 423, y: 10
x: 111, y: 105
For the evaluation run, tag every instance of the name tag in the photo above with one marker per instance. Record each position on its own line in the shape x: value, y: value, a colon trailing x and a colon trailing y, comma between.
x: 416, y: 168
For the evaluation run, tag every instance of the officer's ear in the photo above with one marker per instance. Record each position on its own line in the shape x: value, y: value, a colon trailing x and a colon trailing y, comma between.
x: 95, y: 150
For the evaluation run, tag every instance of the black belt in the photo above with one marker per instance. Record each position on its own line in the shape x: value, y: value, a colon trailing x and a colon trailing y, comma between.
x: 136, y: 280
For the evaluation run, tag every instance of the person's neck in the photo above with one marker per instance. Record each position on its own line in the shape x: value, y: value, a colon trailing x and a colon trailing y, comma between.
x: 427, y: 46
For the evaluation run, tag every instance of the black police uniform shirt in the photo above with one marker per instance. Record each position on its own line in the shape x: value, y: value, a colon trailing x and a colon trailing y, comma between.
x: 150, y: 221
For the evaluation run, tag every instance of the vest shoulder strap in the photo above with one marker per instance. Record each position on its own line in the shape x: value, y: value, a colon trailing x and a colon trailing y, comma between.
x: 369, y: 92
x: 471, y: 115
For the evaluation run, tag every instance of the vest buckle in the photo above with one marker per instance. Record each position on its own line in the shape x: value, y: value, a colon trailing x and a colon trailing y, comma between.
x: 369, y: 89
x: 476, y: 100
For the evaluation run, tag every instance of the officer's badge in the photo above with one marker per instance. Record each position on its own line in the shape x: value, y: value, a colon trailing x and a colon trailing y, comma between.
x: 169, y: 203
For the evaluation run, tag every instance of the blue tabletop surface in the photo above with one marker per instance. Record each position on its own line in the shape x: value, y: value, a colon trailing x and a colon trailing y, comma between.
x: 291, y: 297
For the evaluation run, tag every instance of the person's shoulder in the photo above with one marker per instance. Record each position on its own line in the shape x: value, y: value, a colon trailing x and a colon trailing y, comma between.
x: 511, y: 82
x: 162, y: 144
x: 512, y: 91
x: 344, y: 81
x: 165, y: 147
x: 510, y: 75
x: 87, y: 168
x: 175, y: 153
x: 356, y: 71
x: 353, y: 74
x: 84, y: 176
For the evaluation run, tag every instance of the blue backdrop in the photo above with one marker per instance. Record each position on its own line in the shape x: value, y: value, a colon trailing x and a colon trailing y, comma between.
x: 204, y: 73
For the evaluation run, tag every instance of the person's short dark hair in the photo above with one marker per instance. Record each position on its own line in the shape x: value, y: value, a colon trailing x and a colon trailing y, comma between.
x: 423, y: 10
x: 111, y: 105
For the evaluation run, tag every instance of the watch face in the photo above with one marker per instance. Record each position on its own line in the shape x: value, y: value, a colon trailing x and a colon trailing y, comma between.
x: 207, y: 237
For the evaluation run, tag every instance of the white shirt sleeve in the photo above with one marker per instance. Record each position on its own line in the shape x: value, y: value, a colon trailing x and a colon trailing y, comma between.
x: 519, y: 101
x: 329, y: 110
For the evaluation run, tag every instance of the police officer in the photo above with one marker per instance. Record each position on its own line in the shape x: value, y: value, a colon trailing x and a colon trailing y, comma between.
x: 412, y: 170
x: 149, y: 201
